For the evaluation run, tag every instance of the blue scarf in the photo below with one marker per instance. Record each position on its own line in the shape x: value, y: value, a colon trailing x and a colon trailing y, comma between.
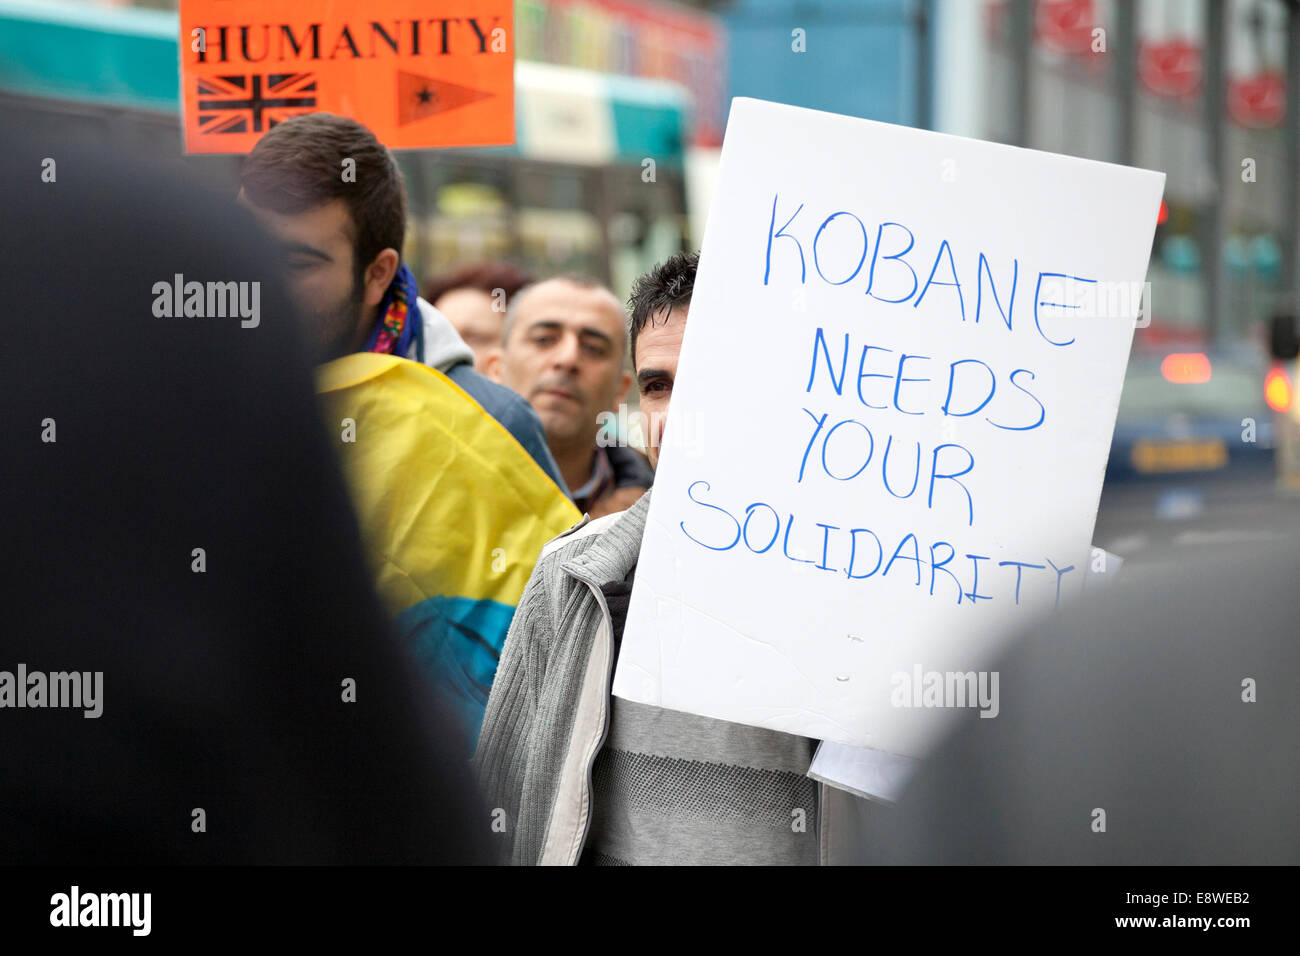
x: 399, y: 327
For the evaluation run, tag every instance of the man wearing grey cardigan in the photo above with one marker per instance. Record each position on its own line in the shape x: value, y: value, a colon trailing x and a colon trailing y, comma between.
x: 575, y: 775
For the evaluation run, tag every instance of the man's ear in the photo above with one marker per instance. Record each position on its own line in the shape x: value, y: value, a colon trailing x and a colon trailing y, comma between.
x: 492, y: 365
x: 621, y: 395
x: 379, y: 275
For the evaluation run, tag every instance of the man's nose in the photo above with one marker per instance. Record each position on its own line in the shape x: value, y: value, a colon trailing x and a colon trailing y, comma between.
x: 565, y: 353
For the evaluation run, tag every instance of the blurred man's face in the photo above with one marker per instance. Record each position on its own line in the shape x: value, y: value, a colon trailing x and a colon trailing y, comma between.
x: 657, y: 348
x: 471, y: 312
x: 565, y: 355
x: 318, y: 250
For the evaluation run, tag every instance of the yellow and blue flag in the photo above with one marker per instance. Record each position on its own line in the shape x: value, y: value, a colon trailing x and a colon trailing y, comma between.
x: 453, y: 514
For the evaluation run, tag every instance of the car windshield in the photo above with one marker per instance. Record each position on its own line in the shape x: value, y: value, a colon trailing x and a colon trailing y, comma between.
x: 1234, y: 389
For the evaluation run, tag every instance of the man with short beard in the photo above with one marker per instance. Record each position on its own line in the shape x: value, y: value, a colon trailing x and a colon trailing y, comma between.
x: 452, y: 508
x: 341, y: 230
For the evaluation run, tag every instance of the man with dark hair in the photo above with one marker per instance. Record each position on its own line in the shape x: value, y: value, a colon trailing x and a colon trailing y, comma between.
x: 663, y: 294
x: 584, y: 777
x: 334, y: 197
x: 562, y: 349
x: 474, y: 298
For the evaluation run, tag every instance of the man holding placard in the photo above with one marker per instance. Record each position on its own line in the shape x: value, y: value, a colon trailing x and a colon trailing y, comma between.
x: 929, y: 335
x: 586, y: 778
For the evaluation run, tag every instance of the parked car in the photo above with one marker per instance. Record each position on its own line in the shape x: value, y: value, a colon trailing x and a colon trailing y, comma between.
x: 1193, y: 412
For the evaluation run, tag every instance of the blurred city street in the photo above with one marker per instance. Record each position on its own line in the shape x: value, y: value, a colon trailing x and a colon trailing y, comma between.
x: 1158, y: 522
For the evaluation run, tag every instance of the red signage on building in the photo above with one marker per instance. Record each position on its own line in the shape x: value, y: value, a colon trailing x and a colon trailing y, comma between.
x: 1066, y: 25
x: 1170, y: 67
x: 1257, y: 101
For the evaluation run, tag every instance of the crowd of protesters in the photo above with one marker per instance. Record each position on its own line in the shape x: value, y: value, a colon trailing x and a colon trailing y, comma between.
x: 575, y: 775
x: 381, y: 624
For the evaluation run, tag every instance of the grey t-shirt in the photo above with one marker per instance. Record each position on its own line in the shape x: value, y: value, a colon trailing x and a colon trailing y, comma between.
x: 671, y: 788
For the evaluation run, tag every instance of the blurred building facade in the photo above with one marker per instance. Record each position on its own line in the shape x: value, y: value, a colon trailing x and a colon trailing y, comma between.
x: 869, y: 58
x: 621, y: 106
x: 1127, y: 81
x: 1121, y: 81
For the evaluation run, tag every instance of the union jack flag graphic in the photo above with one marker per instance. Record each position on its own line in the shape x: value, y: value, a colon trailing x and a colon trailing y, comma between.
x: 240, y: 104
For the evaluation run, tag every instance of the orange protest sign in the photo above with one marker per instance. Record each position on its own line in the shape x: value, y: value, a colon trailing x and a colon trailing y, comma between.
x: 418, y: 73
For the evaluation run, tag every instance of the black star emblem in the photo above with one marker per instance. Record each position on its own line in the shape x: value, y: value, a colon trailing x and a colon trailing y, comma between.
x: 425, y: 94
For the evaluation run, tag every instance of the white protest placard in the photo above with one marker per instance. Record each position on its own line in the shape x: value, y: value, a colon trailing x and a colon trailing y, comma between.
x: 863, y: 772
x: 889, y: 426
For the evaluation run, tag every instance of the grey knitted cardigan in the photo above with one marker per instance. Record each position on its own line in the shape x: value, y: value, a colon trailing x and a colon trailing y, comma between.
x: 534, y: 701
x: 529, y: 762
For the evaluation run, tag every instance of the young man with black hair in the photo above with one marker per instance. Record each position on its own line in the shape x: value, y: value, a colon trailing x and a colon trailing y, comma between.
x: 332, y: 194
x: 584, y: 777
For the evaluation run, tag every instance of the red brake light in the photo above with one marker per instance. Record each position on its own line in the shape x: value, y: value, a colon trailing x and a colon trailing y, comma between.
x: 1186, y: 368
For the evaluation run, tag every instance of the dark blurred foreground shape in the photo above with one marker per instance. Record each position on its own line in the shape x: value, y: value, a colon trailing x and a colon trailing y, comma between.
x: 222, y: 690
x: 1131, y: 703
